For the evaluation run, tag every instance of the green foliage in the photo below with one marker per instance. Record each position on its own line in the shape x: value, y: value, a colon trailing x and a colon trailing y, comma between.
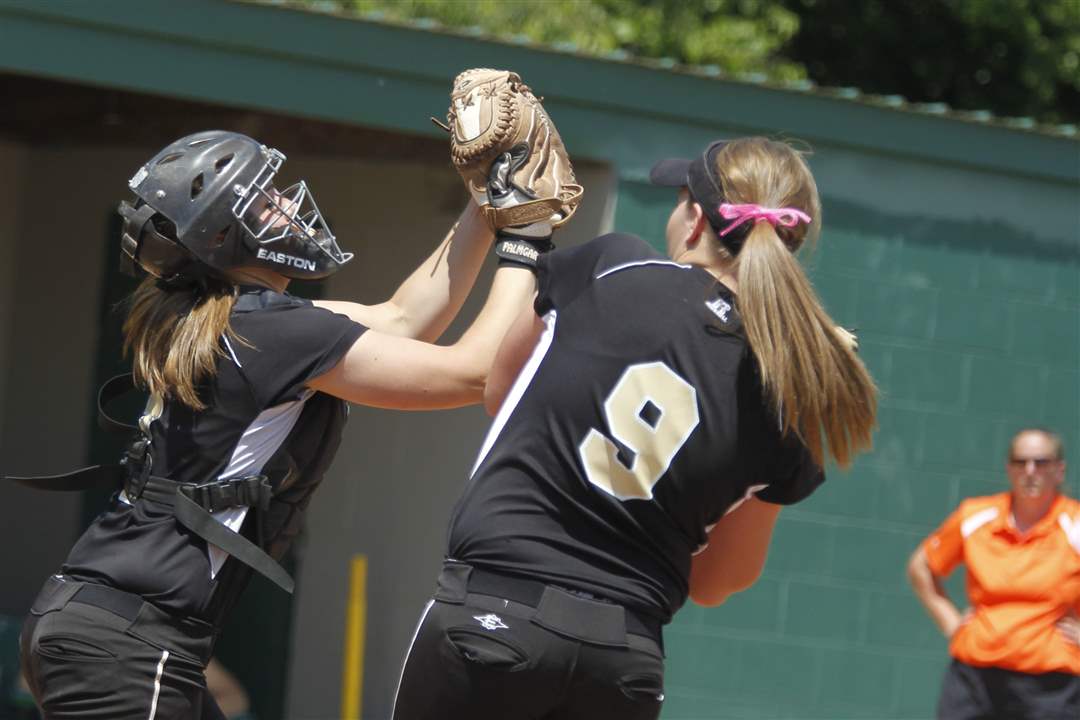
x: 1013, y: 57
x: 740, y: 36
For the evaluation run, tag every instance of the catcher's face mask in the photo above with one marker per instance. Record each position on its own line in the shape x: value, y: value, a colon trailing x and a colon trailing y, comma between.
x: 214, y: 192
x: 287, y: 229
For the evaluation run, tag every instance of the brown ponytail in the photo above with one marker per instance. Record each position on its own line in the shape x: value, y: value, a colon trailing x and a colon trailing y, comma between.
x: 174, y: 336
x: 820, y: 387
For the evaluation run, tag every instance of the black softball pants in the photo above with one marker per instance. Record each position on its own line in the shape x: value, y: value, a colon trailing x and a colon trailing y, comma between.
x: 94, y: 653
x: 989, y: 693
x: 489, y: 657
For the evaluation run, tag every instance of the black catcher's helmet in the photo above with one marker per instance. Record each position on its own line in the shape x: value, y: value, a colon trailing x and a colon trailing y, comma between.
x: 207, y: 203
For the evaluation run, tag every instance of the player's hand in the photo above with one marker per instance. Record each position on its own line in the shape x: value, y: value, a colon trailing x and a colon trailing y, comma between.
x: 516, y: 244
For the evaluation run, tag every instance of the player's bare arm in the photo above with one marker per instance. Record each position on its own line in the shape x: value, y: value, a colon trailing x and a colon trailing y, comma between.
x: 736, y: 553
x: 383, y: 370
x: 514, y: 351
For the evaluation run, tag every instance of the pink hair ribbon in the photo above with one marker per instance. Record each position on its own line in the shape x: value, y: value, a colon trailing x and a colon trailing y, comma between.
x: 788, y: 217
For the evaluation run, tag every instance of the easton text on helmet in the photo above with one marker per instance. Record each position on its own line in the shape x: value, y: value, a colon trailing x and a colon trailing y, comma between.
x: 280, y: 257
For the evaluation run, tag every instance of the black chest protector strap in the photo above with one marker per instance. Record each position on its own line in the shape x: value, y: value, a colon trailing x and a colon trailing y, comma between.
x: 114, y: 387
x: 96, y: 477
x: 192, y: 503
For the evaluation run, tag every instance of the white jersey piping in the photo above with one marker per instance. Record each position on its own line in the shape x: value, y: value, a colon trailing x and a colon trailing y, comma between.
x: 639, y: 263
x: 521, y: 383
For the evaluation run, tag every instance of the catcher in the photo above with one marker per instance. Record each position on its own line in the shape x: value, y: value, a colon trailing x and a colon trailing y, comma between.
x: 654, y: 414
x: 248, y: 390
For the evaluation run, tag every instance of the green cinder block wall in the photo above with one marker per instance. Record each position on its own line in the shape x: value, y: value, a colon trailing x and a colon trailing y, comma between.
x: 972, y: 330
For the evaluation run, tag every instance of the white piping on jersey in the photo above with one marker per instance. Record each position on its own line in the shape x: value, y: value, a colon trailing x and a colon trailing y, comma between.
x: 263, y: 437
x: 522, y: 381
x: 416, y: 632
x: 232, y: 352
x: 157, y: 683
x: 750, y: 492
x: 977, y: 520
x: 639, y: 263
x: 1071, y: 529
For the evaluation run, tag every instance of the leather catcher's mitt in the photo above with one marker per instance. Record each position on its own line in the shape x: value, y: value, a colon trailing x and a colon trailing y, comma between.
x: 508, y: 151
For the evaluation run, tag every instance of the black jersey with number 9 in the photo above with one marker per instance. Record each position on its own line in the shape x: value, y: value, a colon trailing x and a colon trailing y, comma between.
x: 636, y: 424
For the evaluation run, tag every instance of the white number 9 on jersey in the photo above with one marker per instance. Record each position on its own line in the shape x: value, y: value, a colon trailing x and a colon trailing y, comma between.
x: 652, y: 411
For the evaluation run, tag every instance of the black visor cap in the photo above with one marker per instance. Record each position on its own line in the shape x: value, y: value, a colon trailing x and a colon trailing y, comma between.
x: 671, y: 172
x: 698, y: 177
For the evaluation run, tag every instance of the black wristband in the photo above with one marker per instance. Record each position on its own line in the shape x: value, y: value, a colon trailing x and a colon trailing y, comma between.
x: 520, y: 250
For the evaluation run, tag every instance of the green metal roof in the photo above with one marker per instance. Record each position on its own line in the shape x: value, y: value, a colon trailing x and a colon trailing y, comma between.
x: 854, y: 94
x: 391, y: 76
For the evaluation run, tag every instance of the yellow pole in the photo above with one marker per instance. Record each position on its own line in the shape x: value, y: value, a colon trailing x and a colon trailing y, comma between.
x: 352, y: 685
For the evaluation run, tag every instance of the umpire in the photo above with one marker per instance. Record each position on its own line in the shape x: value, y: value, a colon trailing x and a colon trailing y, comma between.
x: 1016, y: 650
x: 247, y: 392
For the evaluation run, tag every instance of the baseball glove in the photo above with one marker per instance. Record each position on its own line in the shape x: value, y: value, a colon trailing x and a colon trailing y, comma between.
x: 508, y: 152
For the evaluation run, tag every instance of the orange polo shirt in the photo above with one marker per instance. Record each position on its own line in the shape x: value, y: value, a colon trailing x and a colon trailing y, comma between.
x: 1019, y: 585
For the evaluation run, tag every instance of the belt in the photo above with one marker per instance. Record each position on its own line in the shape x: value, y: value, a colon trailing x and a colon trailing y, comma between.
x: 560, y: 609
x: 118, y: 602
x: 189, y: 637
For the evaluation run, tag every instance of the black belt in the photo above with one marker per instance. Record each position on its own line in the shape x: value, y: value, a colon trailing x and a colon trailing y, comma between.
x: 187, y: 636
x: 532, y: 592
x: 108, y: 598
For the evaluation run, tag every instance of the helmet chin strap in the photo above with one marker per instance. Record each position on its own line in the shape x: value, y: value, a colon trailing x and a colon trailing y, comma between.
x: 135, y: 221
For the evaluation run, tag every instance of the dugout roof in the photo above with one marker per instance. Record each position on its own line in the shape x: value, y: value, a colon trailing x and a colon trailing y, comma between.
x: 392, y: 77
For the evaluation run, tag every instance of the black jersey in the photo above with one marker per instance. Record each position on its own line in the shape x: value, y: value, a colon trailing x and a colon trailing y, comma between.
x: 260, y: 418
x: 637, y: 423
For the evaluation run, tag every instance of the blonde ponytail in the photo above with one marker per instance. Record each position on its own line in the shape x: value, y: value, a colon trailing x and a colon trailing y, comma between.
x: 820, y: 388
x: 818, y: 385
x: 174, y: 336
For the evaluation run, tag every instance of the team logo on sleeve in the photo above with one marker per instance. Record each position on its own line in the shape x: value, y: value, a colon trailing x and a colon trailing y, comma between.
x: 491, y: 621
x: 720, y: 308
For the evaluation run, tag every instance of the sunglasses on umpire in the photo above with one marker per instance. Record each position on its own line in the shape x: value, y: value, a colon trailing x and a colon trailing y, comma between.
x: 1040, y: 463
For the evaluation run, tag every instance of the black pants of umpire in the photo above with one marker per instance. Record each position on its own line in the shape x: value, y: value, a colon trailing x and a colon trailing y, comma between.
x: 491, y: 647
x: 988, y: 693
x: 95, y: 653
